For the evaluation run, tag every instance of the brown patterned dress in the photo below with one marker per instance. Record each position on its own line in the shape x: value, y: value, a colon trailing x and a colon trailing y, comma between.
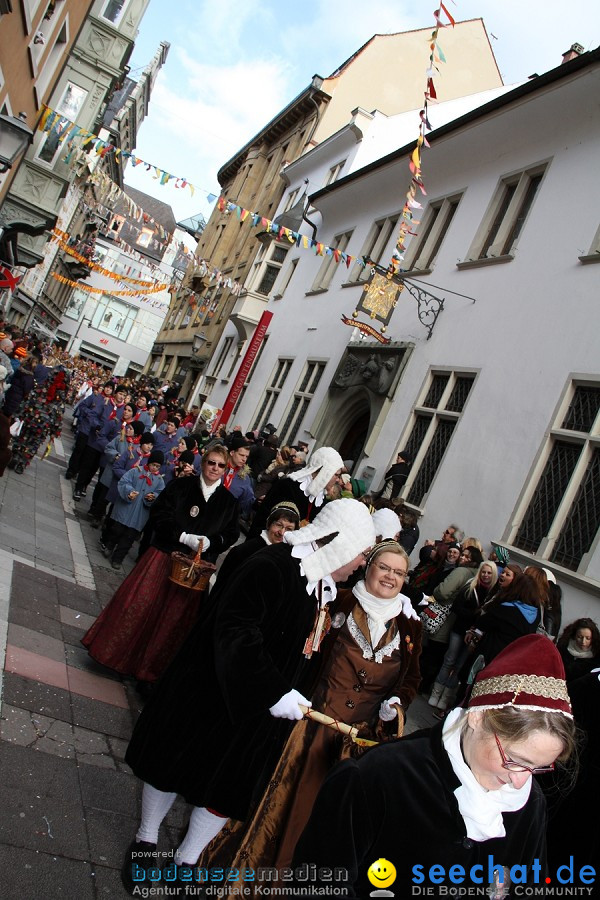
x: 355, y: 678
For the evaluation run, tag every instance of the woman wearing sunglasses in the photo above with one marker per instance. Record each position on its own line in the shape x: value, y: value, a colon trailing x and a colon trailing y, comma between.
x: 458, y: 795
x: 145, y: 623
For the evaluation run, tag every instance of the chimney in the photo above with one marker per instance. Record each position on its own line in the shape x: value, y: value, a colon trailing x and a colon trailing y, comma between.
x: 573, y: 51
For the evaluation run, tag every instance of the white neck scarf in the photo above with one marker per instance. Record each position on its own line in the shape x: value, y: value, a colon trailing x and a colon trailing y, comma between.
x: 378, y: 611
x: 577, y: 653
x: 329, y: 587
x: 208, y: 489
x: 480, y: 809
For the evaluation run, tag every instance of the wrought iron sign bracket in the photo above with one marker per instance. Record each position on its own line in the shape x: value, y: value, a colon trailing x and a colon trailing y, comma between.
x: 429, y: 305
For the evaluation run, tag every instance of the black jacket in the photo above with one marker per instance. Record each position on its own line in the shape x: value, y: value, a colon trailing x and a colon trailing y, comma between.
x: 206, y: 732
x: 182, y: 507
x: 397, y: 803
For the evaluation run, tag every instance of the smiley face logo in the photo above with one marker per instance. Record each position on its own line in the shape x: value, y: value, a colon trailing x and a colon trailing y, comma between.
x: 382, y: 873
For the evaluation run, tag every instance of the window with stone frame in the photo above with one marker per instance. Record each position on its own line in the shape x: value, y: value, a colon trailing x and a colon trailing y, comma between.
x: 434, y: 419
x: 223, y: 354
x: 329, y: 265
x: 559, y: 511
x: 272, y: 392
x: 376, y: 244
x: 424, y: 246
x: 334, y: 173
x: 268, y: 272
x: 298, y: 405
x: 68, y: 108
x: 113, y: 10
x: 506, y: 216
x: 593, y: 254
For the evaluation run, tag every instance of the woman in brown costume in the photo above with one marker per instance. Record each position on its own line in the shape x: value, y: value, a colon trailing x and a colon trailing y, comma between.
x: 370, y: 676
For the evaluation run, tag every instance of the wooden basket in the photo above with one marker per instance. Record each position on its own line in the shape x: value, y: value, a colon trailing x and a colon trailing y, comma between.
x: 190, y: 572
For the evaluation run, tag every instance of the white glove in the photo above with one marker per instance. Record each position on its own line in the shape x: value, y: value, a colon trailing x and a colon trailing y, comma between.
x: 387, y: 712
x: 287, y: 706
x: 193, y: 541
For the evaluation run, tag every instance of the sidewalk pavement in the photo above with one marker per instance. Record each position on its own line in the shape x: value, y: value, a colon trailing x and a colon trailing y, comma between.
x: 70, y: 804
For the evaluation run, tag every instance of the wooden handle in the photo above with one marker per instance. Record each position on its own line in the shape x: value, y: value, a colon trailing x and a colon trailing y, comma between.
x: 195, y: 562
x: 322, y: 719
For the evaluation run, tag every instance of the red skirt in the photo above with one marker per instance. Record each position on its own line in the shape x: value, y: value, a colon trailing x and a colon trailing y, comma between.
x: 146, y: 622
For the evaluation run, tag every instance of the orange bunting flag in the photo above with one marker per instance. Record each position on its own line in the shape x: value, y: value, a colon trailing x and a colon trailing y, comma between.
x: 450, y: 19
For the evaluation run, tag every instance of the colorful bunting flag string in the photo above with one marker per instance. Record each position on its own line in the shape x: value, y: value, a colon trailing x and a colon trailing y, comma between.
x: 94, y: 290
x: 301, y: 241
x: 68, y: 132
x: 148, y: 287
x: 409, y: 223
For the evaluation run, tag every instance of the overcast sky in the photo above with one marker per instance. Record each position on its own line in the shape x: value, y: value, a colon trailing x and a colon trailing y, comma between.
x: 232, y: 66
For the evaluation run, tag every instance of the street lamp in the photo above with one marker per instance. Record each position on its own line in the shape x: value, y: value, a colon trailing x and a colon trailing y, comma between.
x: 199, y: 340
x: 15, y: 136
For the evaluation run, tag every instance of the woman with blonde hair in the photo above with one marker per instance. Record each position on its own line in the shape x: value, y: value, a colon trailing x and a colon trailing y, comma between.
x: 369, y: 676
x: 465, y: 607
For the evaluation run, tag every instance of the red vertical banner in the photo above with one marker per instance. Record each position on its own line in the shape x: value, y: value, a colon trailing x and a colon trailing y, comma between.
x: 244, y: 369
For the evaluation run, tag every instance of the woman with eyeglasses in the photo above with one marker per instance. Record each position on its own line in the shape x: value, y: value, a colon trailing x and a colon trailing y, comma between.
x: 369, y: 676
x: 147, y: 620
x: 460, y: 797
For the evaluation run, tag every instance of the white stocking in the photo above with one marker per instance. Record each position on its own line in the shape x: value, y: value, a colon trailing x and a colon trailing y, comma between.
x: 155, y: 806
x: 203, y: 827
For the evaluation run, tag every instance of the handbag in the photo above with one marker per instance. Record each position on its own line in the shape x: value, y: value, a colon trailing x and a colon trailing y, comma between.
x: 541, y: 629
x: 433, y: 617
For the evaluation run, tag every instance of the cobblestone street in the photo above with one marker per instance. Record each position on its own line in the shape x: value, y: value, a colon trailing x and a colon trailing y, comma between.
x: 69, y: 801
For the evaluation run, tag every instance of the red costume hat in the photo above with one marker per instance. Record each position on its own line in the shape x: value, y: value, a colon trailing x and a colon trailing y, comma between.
x: 528, y: 674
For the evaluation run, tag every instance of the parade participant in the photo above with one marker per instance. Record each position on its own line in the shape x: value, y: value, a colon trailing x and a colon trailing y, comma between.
x: 103, y: 428
x: 244, y: 667
x: 369, y: 678
x: 307, y: 487
x: 149, y: 617
x: 167, y: 440
x: 236, y: 477
x: 138, y: 489
x: 283, y: 518
x: 129, y: 434
x: 89, y: 412
x: 455, y: 795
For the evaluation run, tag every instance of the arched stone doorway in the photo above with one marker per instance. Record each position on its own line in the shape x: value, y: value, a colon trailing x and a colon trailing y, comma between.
x: 347, y: 423
x: 353, y: 442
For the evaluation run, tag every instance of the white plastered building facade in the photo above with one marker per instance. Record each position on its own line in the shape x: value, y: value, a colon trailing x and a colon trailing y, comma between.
x: 501, y: 405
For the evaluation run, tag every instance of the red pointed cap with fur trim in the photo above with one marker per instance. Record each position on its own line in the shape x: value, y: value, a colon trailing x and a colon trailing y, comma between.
x: 529, y: 674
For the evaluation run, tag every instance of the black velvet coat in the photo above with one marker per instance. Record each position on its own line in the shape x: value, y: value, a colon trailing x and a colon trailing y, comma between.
x: 397, y: 803
x: 206, y: 732
x: 216, y: 519
x: 236, y: 557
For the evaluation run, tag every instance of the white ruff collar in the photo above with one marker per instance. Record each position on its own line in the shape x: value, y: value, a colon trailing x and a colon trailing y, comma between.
x: 480, y: 809
x: 305, y: 488
x: 329, y: 587
x: 265, y: 537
